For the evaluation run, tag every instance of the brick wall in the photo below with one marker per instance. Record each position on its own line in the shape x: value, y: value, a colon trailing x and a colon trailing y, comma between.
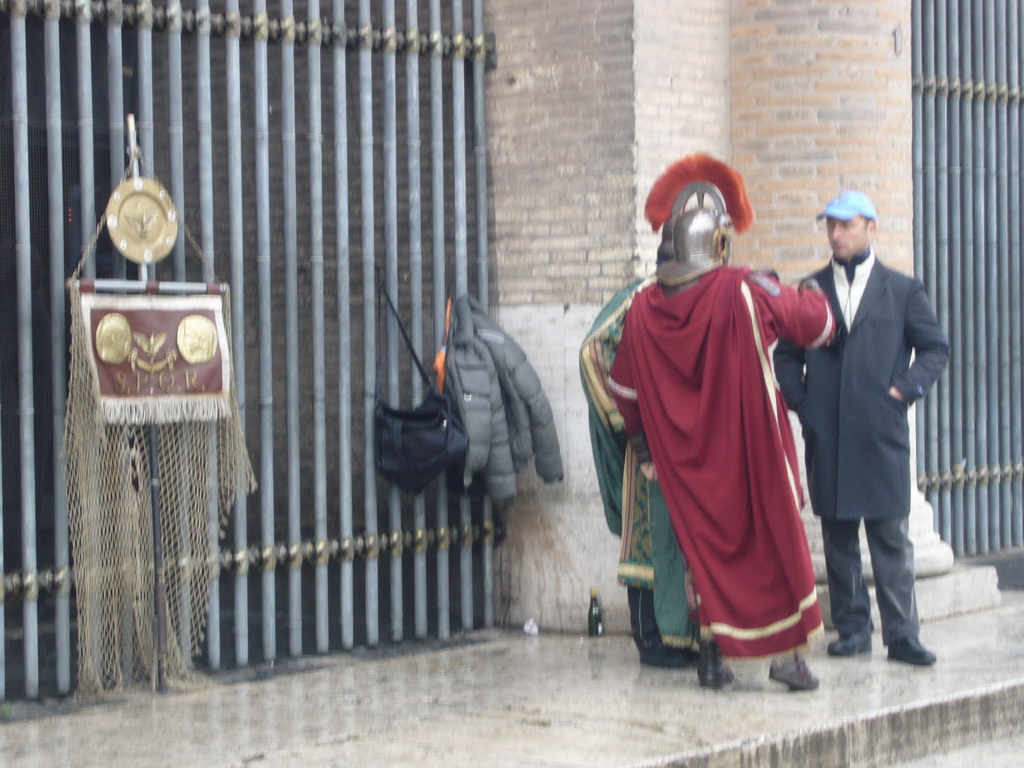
x: 561, y: 124
x: 682, y: 93
x: 821, y: 102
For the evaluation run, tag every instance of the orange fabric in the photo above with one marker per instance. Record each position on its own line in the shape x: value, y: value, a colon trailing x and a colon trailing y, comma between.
x: 442, y: 352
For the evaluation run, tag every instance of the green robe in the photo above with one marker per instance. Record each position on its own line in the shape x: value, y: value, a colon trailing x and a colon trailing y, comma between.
x: 634, y: 508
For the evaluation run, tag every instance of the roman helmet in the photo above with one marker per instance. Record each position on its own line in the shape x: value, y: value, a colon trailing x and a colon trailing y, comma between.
x: 698, y: 203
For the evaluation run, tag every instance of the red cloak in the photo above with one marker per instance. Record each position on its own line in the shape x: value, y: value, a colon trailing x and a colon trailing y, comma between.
x: 694, y: 374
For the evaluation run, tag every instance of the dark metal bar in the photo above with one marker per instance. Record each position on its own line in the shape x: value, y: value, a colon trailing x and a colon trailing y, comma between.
x: 924, y: 217
x: 482, y: 262
x: 1015, y: 27
x: 437, y: 187
x: 58, y: 347
x: 316, y: 257
x: 956, y: 370
x: 115, y: 104
x: 369, y: 326
x: 266, y: 336
x: 413, y: 149
x: 977, y: 218
x: 1001, y: 265
x: 390, y: 146
x: 86, y: 156
x: 238, y: 324
x: 461, y: 270
x: 344, y: 333
x: 204, y: 88
x: 291, y: 313
x: 159, y: 586
x: 939, y: 413
x: 26, y: 404
x: 992, y: 278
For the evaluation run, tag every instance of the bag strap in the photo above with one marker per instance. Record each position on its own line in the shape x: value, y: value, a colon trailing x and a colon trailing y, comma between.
x: 405, y: 335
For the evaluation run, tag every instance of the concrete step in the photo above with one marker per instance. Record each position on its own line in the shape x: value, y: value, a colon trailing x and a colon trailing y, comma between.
x: 500, y: 698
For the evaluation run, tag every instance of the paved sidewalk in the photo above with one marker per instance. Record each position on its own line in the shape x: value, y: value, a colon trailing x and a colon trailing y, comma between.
x: 506, y: 699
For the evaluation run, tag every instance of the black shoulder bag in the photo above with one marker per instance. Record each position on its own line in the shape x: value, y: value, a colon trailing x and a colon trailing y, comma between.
x: 416, y: 445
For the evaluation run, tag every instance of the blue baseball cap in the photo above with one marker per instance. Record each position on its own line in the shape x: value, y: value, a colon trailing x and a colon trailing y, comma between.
x: 848, y: 205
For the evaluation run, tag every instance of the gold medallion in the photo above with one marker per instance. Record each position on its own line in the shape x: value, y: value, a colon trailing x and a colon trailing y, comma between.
x: 113, y: 339
x: 197, y: 339
x: 142, y: 220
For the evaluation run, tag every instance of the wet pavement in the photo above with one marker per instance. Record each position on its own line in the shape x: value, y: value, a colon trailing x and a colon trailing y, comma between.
x: 501, y: 698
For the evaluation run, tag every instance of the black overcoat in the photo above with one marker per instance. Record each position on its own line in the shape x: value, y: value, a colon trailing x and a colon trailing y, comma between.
x: 856, y: 435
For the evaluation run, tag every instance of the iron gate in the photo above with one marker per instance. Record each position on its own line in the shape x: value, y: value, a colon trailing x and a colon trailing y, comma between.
x: 968, y: 65
x: 314, y: 153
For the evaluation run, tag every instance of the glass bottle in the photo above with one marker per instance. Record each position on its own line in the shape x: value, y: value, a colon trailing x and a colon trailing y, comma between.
x: 595, y: 624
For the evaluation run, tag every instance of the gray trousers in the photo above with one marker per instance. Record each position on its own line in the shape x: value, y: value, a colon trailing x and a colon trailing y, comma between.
x: 892, y: 561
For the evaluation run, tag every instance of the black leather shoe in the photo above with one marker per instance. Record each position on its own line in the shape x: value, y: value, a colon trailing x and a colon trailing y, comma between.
x: 664, y: 656
x: 850, y: 645
x: 711, y: 670
x: 910, y: 651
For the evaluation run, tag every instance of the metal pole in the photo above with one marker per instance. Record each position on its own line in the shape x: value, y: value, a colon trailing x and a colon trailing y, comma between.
x: 159, y: 583
x: 26, y: 405
x: 176, y: 138
x: 58, y: 345
x: 204, y: 88
x: 369, y: 321
x: 438, y: 256
x: 316, y: 254
x: 238, y: 318
x: 972, y: 462
x: 940, y: 412
x: 144, y: 38
x: 992, y: 279
x: 1015, y: 25
x: 920, y: 105
x: 956, y: 371
x: 482, y: 256
x: 291, y: 312
x: 980, y: 245
x: 176, y: 132
x: 924, y: 234
x: 1001, y: 266
x: 86, y: 173
x: 115, y: 103
x: 461, y: 273
x: 266, y: 336
x: 413, y: 143
x: 391, y: 264
x: 344, y: 326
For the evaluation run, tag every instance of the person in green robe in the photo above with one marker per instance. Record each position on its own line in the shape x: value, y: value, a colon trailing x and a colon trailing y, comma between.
x: 651, y: 564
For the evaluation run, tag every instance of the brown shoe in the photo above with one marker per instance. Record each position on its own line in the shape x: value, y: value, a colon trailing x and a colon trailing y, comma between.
x: 711, y: 670
x: 796, y: 674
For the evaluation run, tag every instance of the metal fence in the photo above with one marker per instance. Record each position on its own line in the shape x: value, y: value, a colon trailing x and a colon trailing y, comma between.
x: 968, y: 65
x: 314, y: 154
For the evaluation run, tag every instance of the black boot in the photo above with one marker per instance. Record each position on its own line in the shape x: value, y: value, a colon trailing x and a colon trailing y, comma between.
x: 711, y: 671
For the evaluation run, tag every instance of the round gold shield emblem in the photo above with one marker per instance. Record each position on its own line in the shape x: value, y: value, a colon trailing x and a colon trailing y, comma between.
x: 113, y: 338
x: 142, y: 220
x: 197, y: 339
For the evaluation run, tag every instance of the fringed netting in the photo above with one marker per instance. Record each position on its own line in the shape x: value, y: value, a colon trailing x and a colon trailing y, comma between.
x: 202, y: 467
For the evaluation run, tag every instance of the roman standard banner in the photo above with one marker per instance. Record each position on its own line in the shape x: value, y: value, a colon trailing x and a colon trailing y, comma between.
x: 158, y: 359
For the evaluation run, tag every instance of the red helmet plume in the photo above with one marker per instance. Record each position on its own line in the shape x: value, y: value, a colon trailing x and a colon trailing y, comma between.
x: 694, y: 168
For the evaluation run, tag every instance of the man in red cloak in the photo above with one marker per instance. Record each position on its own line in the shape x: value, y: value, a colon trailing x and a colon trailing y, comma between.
x: 694, y: 381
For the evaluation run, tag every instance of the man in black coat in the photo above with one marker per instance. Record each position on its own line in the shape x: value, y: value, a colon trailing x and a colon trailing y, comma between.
x: 852, y: 399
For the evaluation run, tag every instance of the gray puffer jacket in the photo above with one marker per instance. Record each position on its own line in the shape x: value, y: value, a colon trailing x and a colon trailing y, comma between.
x: 504, y: 410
